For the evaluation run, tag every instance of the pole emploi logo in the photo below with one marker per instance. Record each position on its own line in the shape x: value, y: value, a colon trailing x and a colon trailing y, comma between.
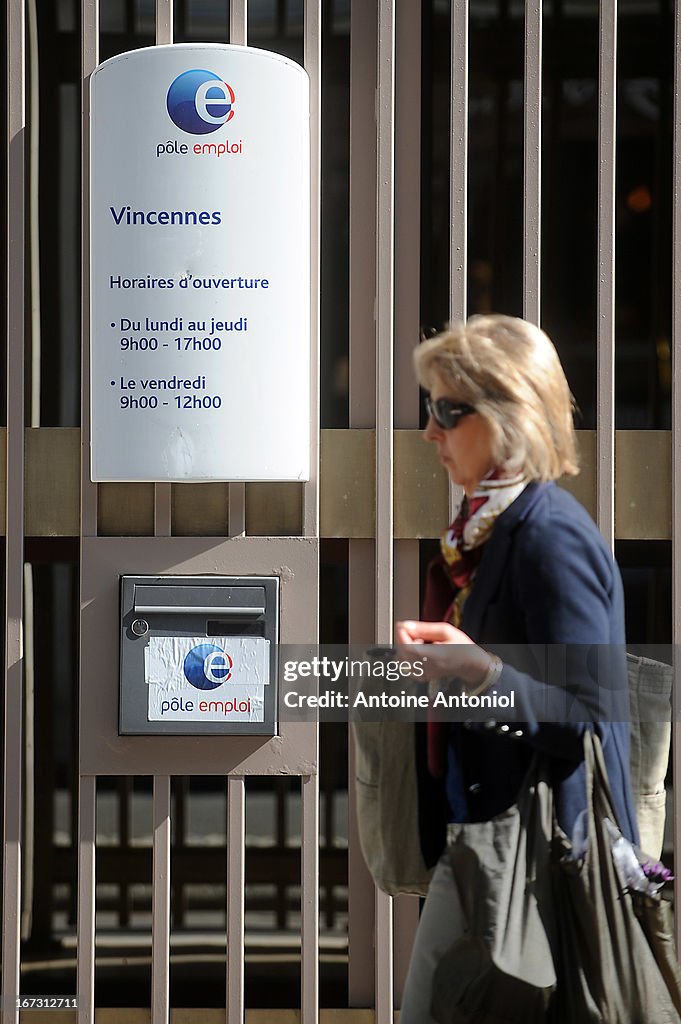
x: 199, y: 102
x: 207, y: 666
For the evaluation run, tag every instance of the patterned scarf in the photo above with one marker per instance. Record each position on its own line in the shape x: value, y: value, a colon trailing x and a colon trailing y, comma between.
x: 461, y: 548
x: 461, y: 545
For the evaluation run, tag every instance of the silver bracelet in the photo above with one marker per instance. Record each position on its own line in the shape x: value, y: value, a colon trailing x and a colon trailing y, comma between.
x: 493, y: 672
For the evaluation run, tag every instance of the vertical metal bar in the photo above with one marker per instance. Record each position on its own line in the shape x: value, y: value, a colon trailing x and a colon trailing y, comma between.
x: 39, y: 901
x: 164, y: 22
x: 458, y: 172
x: 313, y: 66
x: 385, y: 319
x: 458, y: 271
x: 28, y: 895
x: 676, y: 447
x: 87, y: 831
x: 236, y: 839
x: 385, y: 322
x: 163, y: 493
x: 236, y: 499
x: 360, y: 883
x: 74, y: 774
x: 160, y: 903
x: 553, y: 149
x: 34, y: 211
x: 405, y: 908
x: 238, y: 22
x: 236, y: 510
x: 163, y: 510
x: 309, y: 937
x: 361, y: 578
x: 605, y: 414
x: 407, y: 286
x: 383, y: 953
x: 532, y: 162
x: 28, y: 857
x: 87, y: 785
x: 14, y: 511
x: 89, y: 60
x: 363, y: 43
x: 407, y: 210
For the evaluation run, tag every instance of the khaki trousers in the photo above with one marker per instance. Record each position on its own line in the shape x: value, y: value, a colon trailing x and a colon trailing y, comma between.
x: 440, y: 924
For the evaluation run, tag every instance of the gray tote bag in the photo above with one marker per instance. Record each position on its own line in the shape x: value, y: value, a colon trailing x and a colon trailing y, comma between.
x: 501, y: 970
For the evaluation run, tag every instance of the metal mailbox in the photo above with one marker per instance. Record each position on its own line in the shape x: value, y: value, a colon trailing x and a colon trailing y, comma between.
x: 198, y: 655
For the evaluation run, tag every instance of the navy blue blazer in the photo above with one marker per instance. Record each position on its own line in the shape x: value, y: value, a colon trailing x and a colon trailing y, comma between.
x: 548, y: 599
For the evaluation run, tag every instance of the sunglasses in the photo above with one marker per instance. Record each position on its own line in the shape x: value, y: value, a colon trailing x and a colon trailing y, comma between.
x: 447, y: 413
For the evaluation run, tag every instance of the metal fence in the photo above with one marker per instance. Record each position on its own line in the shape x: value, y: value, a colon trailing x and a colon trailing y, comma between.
x: 376, y: 461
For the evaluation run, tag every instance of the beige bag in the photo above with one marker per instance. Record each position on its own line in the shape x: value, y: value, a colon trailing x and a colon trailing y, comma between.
x: 387, y: 807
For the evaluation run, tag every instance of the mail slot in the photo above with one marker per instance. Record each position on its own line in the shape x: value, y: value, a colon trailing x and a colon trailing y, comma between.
x: 198, y: 655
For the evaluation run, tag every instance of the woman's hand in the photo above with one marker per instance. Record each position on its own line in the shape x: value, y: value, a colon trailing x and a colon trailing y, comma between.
x: 451, y: 652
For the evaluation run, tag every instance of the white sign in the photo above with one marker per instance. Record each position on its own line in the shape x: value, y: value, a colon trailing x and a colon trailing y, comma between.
x: 195, y: 679
x: 200, y: 266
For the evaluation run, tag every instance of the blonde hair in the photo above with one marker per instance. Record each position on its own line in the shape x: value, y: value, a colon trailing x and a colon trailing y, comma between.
x: 509, y: 370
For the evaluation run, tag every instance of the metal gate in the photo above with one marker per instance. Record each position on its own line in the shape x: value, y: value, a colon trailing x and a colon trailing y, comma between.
x: 373, y: 488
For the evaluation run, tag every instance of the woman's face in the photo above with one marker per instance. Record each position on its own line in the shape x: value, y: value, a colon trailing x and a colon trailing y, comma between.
x: 466, y: 450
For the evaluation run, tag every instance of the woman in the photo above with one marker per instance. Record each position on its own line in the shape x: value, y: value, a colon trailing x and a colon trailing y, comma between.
x: 522, y: 565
